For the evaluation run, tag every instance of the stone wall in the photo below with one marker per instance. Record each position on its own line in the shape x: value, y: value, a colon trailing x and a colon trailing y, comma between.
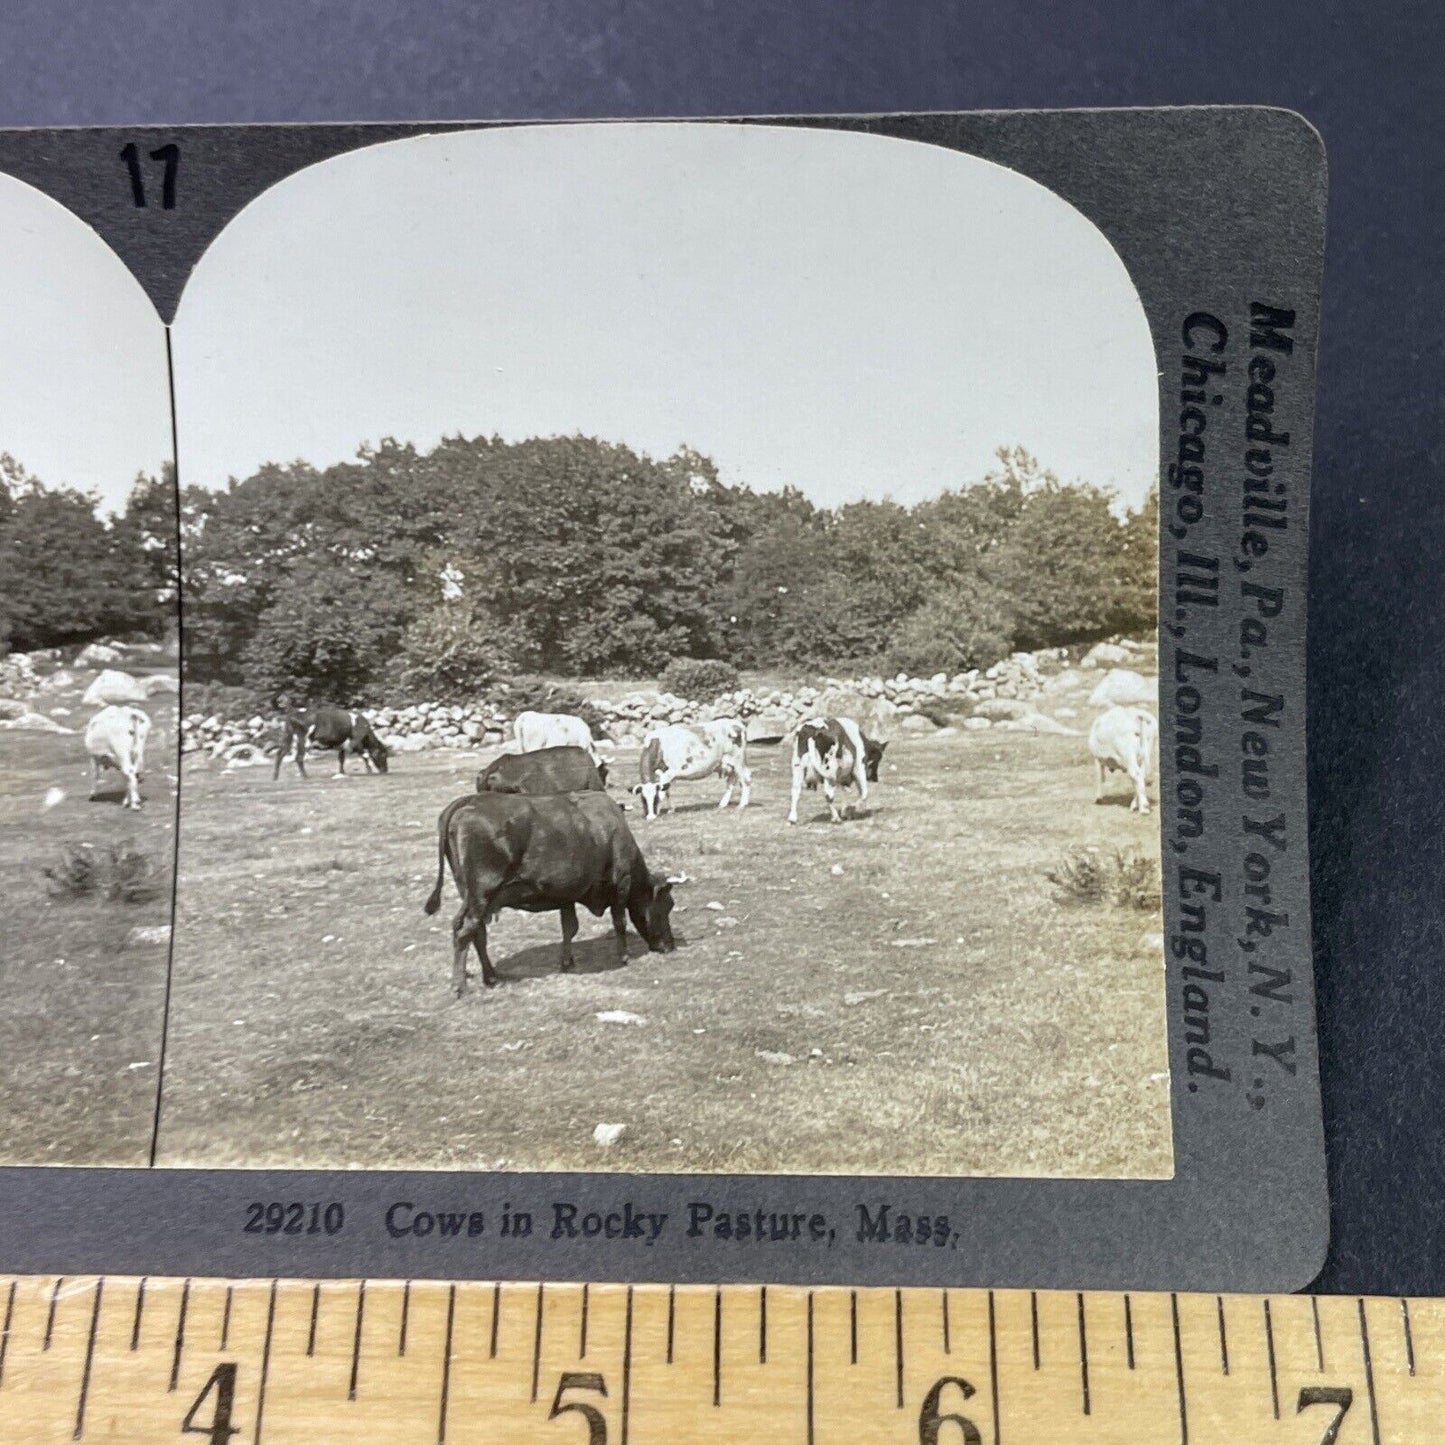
x: 1031, y: 691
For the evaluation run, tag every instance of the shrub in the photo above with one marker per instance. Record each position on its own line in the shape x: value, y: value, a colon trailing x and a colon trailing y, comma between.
x: 1123, y: 878
x: 968, y: 626
x: 449, y: 655
x: 225, y: 701
x: 117, y: 872
x: 700, y: 679
x: 539, y: 694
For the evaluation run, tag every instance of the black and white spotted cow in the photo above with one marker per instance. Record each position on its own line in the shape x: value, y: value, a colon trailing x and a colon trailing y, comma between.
x: 833, y: 752
x: 327, y: 728
x: 678, y: 754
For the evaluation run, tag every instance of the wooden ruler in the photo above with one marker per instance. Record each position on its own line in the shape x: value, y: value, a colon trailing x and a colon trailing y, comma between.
x: 121, y: 1359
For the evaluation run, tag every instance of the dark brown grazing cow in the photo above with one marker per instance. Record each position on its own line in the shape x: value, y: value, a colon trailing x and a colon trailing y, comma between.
x: 548, y: 770
x: 545, y: 854
x: 327, y: 728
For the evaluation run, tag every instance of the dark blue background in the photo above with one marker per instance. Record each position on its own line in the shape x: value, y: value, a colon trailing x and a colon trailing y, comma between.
x: 1370, y: 77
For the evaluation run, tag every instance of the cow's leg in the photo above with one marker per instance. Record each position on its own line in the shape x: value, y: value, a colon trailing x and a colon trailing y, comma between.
x: 340, y: 761
x: 830, y: 792
x: 132, y: 790
x: 797, y: 793
x: 1141, y: 797
x: 745, y: 777
x: 1099, y: 791
x: 728, y: 779
x: 860, y: 776
x: 94, y: 777
x: 619, y: 930
x: 569, y: 932
x: 303, y: 741
x: 464, y: 930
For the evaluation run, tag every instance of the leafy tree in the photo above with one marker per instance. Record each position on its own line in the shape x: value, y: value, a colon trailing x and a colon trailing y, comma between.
x: 968, y: 625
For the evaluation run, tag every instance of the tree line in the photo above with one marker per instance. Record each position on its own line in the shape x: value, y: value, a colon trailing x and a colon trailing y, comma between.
x: 403, y: 574
x: 70, y: 575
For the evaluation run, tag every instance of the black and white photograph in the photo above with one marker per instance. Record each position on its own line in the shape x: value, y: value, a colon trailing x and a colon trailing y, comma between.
x: 670, y: 667
x: 88, y: 685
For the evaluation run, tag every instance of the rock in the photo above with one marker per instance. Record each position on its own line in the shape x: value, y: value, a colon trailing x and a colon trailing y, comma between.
x: 162, y: 682
x: 1037, y: 722
x: 976, y: 724
x: 33, y: 722
x: 1066, y: 712
x: 996, y: 709
x: 99, y: 654
x: 245, y: 755
x: 618, y: 1016
x: 606, y: 1135
x: 53, y: 796
x: 61, y: 678
x: 1105, y: 654
x: 770, y: 1056
x: 836, y: 870
x: 1121, y: 687
x: 12, y: 707
x: 158, y: 935
x: 1066, y: 681
x: 917, y: 723
x: 113, y: 686
x: 862, y: 995
x: 770, y: 726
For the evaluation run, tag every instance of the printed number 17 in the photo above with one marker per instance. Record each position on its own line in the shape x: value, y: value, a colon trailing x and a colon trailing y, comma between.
x: 170, y: 155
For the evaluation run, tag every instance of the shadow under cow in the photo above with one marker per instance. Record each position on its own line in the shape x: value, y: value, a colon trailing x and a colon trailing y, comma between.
x: 540, y: 960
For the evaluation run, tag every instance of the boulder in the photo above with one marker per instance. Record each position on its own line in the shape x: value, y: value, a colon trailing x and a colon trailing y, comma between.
x: 11, y: 708
x: 1121, y: 687
x: 1105, y: 654
x: 769, y: 727
x: 1037, y: 722
x: 246, y: 755
x: 113, y: 686
x: 98, y: 654
x: 162, y: 682
x: 917, y: 723
x: 1001, y: 709
x: 157, y: 935
x: 61, y: 678
x: 33, y: 722
x: 1066, y: 681
x: 976, y: 724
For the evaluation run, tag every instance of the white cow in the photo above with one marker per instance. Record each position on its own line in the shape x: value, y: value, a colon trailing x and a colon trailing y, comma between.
x: 678, y: 754
x: 1123, y: 740
x: 833, y: 751
x: 536, y: 730
x: 116, y: 738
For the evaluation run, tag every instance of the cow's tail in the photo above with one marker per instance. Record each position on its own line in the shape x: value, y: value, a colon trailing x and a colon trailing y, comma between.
x: 434, y: 899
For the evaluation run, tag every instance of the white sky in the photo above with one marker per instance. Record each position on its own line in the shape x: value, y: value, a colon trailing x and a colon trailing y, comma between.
x: 84, y: 400
x: 854, y: 315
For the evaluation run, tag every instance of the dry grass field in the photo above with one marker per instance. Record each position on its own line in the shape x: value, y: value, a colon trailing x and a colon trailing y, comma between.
x: 899, y: 994
x: 81, y: 1014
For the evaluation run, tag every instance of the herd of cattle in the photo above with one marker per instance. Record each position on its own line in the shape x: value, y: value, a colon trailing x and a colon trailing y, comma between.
x: 541, y: 833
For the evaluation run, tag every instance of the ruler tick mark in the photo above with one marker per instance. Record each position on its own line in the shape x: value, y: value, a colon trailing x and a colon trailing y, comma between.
x: 582, y: 1343
x: 50, y: 1318
x: 1273, y: 1369
x: 809, y: 1400
x: 5, y: 1332
x: 1223, y: 1337
x: 1179, y: 1367
x: 140, y: 1304
x: 992, y: 1366
x: 763, y: 1325
x: 1369, y: 1374
x: 537, y: 1344
x: 671, y: 1317
x: 496, y: 1319
x: 853, y: 1326
x: 180, y: 1335
x: 265, y: 1364
x: 405, y: 1316
x: 315, y: 1310
x: 627, y: 1367
x: 447, y: 1361
x: 946, y: 1349
x: 1083, y: 1353
x: 717, y: 1347
x: 1319, y: 1342
x: 1409, y: 1337
x: 356, y: 1341
x: 898, y: 1344
x: 1129, y: 1331
x: 1034, y: 1321
x: 226, y: 1319
x: 89, y: 1361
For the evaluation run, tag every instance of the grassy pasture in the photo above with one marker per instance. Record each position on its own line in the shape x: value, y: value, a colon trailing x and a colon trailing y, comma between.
x: 80, y: 1012
x: 899, y: 994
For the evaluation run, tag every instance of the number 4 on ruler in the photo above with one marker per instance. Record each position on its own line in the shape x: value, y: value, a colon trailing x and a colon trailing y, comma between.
x: 170, y: 156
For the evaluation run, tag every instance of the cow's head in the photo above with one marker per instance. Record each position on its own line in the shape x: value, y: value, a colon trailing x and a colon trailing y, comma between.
x: 872, y: 757
x: 376, y: 750
x: 652, y: 795
x: 602, y: 770
x: 651, y: 911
